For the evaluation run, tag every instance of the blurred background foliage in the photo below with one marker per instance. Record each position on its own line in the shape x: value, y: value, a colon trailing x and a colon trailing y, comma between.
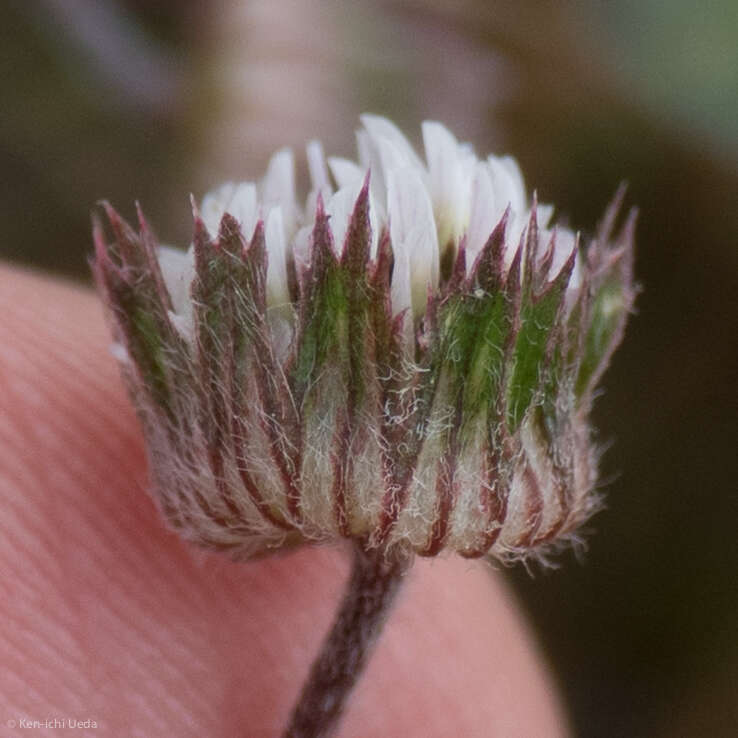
x: 128, y: 99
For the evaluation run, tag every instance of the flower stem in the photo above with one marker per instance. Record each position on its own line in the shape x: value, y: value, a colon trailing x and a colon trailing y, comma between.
x: 375, y: 579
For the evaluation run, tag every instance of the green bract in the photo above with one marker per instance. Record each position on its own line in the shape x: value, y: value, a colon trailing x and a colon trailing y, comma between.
x: 408, y: 362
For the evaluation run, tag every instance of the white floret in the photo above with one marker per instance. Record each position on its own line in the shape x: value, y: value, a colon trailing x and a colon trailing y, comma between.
x: 428, y: 206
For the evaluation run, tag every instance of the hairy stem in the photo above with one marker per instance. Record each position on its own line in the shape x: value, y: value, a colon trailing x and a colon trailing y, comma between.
x: 375, y: 578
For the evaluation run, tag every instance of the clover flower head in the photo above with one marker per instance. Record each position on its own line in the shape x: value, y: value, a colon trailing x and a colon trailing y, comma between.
x: 408, y: 360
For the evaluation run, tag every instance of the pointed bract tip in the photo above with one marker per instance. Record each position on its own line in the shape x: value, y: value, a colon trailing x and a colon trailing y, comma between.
x: 112, y: 215
x: 529, y: 243
x: 546, y: 261
x: 98, y: 239
x: 258, y: 233
x: 626, y: 248
x: 319, y: 207
x: 361, y: 206
x: 487, y: 269
x: 140, y: 215
x: 607, y: 224
x: 513, y: 275
x: 627, y: 233
x: 200, y: 235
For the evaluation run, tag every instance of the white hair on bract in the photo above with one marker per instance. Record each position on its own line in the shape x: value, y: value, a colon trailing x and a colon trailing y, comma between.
x: 407, y: 358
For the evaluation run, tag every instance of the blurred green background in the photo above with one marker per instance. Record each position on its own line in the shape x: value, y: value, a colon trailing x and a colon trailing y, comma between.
x: 128, y: 99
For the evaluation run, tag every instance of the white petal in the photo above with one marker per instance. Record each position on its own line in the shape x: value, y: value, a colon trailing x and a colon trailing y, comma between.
x: 345, y: 171
x: 301, y: 248
x: 120, y: 353
x: 483, y: 217
x: 391, y: 157
x: 244, y: 208
x: 278, y: 188
x: 380, y: 128
x: 238, y: 200
x: 413, y: 235
x: 363, y: 146
x: 382, y: 148
x: 544, y: 214
x: 276, y: 244
x: 214, y: 205
x: 564, y: 242
x: 400, y: 291
x: 319, y: 177
x: 178, y: 271
x: 349, y: 174
x: 317, y: 167
x: 508, y: 184
x: 513, y: 169
x: 448, y: 189
x: 468, y: 162
x: 339, y: 208
x: 575, y: 282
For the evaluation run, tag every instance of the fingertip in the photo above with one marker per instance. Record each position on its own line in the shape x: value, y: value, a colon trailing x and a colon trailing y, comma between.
x: 138, y: 626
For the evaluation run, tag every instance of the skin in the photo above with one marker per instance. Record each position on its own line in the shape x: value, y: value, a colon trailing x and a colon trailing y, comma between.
x: 108, y: 615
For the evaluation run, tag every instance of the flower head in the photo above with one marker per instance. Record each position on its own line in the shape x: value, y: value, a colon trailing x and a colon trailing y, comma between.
x: 408, y: 361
